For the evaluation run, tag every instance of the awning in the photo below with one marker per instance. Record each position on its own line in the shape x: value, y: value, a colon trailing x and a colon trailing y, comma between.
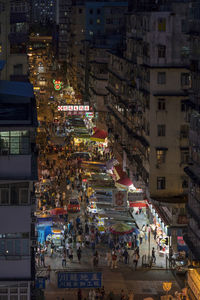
x: 99, y: 135
x: 137, y: 204
x: 125, y: 181
x: 118, y: 171
x: 58, y: 211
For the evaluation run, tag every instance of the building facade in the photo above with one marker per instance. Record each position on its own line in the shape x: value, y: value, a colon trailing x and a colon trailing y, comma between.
x: 18, y: 160
x: 14, y: 17
x: 193, y: 170
x: 148, y: 95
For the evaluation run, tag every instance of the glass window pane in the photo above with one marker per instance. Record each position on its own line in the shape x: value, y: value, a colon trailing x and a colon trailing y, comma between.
x: 14, y: 195
x: 13, y: 290
x: 2, y: 247
x: 24, y: 196
x: 3, y: 297
x: 9, y: 247
x: 17, y: 247
x: 4, y: 196
x: 25, y: 247
x: 23, y: 290
x: 13, y: 297
x: 23, y: 297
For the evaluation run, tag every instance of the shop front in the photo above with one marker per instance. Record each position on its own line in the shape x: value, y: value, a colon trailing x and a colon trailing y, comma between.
x: 161, y: 231
x: 193, y: 280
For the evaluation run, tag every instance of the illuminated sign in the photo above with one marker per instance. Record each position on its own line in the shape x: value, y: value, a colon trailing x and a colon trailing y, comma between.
x: 76, y: 108
x: 57, y: 85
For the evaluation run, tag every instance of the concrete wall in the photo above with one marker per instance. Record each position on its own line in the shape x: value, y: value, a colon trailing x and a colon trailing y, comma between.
x: 15, y: 166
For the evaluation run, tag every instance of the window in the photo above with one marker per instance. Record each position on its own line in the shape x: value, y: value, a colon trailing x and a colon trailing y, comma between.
x: 80, y: 10
x: 185, y: 79
x: 161, y: 130
x: 185, y: 183
x: 161, y: 24
x: 0, y: 47
x: 184, y: 131
x: 14, y: 246
x: 98, y: 11
x: 14, y: 194
x: 160, y: 156
x: 14, y: 142
x: 160, y: 183
x: 161, y: 51
x: 91, y: 11
x: 18, y: 69
x: 91, y: 22
x: 98, y: 21
x: 184, y: 156
x: 161, y: 104
x: 4, y: 195
x: 183, y: 105
x: 161, y: 79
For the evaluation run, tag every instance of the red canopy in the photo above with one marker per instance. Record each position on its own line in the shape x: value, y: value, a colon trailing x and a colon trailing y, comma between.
x: 100, y: 134
x: 125, y: 181
x: 58, y: 211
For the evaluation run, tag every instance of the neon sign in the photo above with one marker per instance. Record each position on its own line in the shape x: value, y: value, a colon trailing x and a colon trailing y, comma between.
x: 57, y: 85
x: 82, y: 108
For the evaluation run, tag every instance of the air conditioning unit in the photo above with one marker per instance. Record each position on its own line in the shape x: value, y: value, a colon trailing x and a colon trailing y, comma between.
x: 34, y: 243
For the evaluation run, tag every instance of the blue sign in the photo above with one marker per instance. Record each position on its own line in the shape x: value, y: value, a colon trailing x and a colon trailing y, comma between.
x: 79, y: 280
x: 40, y: 283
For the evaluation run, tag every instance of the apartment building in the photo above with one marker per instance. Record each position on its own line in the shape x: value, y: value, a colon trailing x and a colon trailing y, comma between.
x: 14, y: 16
x: 63, y: 15
x: 193, y: 170
x: 96, y: 26
x: 148, y: 96
x: 18, y: 161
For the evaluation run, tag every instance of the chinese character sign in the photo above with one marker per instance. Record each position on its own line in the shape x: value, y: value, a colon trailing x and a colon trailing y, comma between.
x: 75, y: 108
x: 119, y: 199
x: 79, y: 280
x: 57, y: 85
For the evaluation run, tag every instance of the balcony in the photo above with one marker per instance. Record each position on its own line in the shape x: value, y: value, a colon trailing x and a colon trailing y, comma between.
x: 18, y: 17
x: 193, y: 214
x: 18, y: 38
x: 195, y: 250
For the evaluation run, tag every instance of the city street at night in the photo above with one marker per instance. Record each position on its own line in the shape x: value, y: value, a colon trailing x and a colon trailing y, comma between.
x: 99, y: 150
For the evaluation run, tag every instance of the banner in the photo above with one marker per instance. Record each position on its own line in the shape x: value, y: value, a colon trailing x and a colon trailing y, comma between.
x: 120, y: 199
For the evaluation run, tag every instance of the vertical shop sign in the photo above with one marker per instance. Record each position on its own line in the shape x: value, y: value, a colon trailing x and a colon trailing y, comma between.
x: 120, y: 200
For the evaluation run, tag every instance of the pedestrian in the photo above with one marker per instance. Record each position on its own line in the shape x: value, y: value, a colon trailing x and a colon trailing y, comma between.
x: 64, y: 259
x: 114, y: 260
x: 153, y: 254
x: 71, y: 254
x: 79, y: 294
x: 79, y: 254
x: 126, y: 256
x: 109, y: 258
x: 141, y: 236
x: 122, y: 295
x: 135, y: 260
x: 48, y: 273
x: 95, y: 259
x: 42, y: 259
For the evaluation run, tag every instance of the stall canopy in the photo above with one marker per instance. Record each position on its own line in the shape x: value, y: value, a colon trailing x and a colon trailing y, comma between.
x: 138, y: 204
x: 99, y: 135
x: 125, y: 181
x: 119, y: 173
x: 58, y: 211
x: 122, y: 228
